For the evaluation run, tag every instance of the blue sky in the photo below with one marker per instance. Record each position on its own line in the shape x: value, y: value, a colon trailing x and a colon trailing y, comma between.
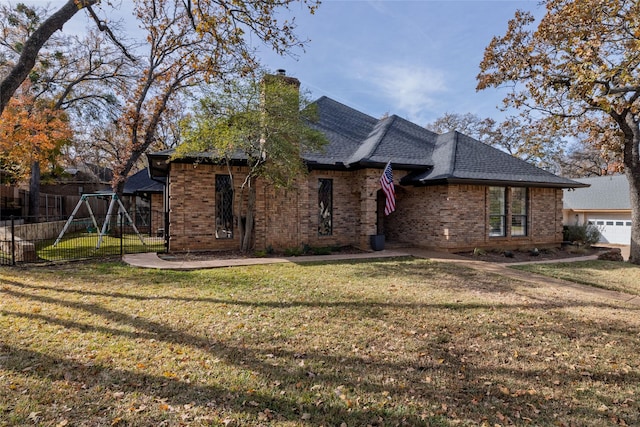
x: 417, y: 59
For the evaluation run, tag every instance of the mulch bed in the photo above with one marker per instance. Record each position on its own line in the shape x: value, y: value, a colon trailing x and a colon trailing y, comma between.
x: 531, y: 256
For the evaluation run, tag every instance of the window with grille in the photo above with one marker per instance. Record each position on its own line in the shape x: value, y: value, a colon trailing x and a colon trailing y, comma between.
x: 143, y: 210
x: 325, y: 205
x: 224, y: 207
x: 497, y: 211
x: 519, y: 211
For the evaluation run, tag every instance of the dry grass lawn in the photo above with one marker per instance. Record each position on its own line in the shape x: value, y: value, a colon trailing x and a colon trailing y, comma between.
x: 615, y: 276
x: 384, y: 343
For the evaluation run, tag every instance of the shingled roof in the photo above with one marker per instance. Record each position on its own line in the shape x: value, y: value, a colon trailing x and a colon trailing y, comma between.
x: 140, y: 182
x: 357, y: 140
x: 605, y: 193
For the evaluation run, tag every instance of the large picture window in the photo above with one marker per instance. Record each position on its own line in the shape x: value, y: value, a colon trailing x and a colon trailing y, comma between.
x: 325, y: 206
x: 497, y: 211
x: 519, y: 211
x: 224, y: 207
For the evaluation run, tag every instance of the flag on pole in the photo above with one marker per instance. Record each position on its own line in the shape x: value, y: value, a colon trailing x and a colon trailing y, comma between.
x: 386, y: 181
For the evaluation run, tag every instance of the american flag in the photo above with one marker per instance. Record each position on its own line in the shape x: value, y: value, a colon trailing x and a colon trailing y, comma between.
x: 386, y: 181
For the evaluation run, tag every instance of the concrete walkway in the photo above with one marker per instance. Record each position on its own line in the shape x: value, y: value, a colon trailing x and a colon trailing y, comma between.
x: 151, y: 260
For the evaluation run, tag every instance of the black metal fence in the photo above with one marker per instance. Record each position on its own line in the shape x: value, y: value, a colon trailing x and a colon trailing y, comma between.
x: 83, y: 238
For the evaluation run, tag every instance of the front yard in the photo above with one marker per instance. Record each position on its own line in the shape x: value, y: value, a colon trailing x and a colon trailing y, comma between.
x: 393, y: 342
x: 615, y: 276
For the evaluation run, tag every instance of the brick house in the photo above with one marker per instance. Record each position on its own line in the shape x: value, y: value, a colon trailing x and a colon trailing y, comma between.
x: 453, y: 193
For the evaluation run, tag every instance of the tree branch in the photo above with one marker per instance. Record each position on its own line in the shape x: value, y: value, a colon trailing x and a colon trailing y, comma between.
x: 32, y: 47
x: 105, y: 28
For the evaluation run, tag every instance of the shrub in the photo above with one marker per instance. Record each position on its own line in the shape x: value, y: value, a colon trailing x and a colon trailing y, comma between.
x: 586, y: 234
x: 322, y: 251
x: 293, y: 251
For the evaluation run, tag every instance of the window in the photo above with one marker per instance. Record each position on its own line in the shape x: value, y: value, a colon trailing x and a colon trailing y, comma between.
x: 628, y: 223
x: 142, y: 210
x: 224, y: 207
x: 518, y: 211
x: 497, y: 211
x: 325, y: 206
x: 599, y: 222
x: 619, y: 223
x: 609, y: 222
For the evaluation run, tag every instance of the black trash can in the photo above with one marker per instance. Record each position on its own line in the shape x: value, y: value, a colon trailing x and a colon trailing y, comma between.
x: 377, y: 242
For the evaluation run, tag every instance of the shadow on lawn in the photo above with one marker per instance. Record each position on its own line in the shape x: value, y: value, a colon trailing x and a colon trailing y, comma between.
x: 462, y: 383
x: 366, y: 307
x: 177, y: 392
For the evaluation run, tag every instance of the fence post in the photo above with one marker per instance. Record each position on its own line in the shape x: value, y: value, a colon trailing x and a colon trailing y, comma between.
x: 13, y: 240
x: 121, y: 234
x: 166, y: 232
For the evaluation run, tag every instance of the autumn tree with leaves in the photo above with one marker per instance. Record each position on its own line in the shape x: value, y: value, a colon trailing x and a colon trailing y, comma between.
x: 71, y: 73
x: 32, y: 132
x: 262, y: 123
x: 188, y: 43
x: 580, y: 66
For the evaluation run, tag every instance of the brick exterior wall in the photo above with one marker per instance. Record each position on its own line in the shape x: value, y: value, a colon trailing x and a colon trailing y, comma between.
x: 453, y: 217
x: 192, y: 208
x: 456, y: 217
x: 293, y: 215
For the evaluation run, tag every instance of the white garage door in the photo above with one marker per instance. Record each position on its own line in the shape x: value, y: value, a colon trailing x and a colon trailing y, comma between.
x: 613, y: 228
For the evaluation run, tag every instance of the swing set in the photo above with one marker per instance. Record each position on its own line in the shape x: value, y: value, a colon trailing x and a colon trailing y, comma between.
x: 115, y: 200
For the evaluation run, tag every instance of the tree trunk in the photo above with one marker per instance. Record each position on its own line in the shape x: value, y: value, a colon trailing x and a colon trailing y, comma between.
x: 631, y: 129
x: 20, y: 71
x: 34, y: 192
x: 634, y: 197
x: 247, y: 237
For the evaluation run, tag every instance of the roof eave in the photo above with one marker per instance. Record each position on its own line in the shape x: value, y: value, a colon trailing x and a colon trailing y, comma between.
x: 490, y: 182
x: 158, y: 165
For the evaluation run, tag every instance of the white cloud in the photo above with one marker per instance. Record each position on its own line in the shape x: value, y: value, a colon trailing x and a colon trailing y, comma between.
x: 411, y: 90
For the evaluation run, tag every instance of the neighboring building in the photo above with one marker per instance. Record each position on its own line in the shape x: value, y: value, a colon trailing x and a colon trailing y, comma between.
x: 605, y: 204
x: 143, y: 198
x: 454, y: 193
x: 86, y: 178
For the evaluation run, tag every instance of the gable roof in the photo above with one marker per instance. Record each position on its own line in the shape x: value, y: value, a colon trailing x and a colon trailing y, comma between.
x: 359, y: 140
x: 605, y: 193
x: 356, y: 140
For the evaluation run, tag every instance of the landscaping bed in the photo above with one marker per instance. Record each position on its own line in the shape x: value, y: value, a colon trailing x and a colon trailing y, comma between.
x: 529, y: 255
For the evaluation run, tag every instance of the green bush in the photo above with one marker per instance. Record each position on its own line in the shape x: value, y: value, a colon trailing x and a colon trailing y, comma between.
x: 586, y: 234
x: 322, y: 251
x: 293, y: 251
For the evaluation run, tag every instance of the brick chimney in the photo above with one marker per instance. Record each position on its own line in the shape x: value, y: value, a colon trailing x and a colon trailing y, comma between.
x: 286, y: 102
